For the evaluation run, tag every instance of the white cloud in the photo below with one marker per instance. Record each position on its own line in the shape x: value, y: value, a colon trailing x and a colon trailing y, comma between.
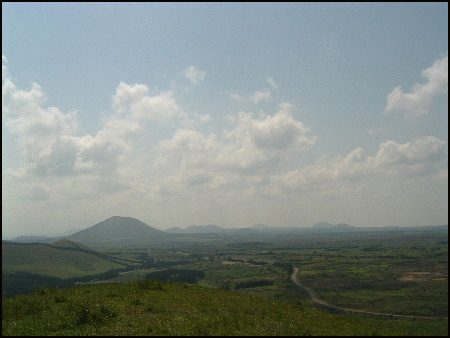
x: 134, y: 102
x: 194, y: 75
x: 419, y: 100
x: 279, y: 132
x: 258, y: 96
x: 412, y: 159
x: 237, y: 97
x: 255, y: 146
x: 242, y: 165
x: 233, y: 165
x: 46, y: 134
x: 203, y: 118
x: 49, y: 139
x: 4, y: 68
x: 272, y: 83
x: 101, y: 153
x: 416, y: 158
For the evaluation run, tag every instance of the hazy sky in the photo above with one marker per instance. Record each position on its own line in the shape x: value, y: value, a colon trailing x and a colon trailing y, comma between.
x: 233, y: 114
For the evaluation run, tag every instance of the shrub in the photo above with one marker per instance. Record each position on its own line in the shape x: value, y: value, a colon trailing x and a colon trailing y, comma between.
x: 59, y: 299
x: 136, y: 302
x: 90, y: 314
x: 253, y: 283
x: 149, y: 285
x: 177, y: 275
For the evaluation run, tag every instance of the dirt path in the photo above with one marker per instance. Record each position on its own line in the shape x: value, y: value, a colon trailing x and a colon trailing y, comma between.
x: 316, y: 299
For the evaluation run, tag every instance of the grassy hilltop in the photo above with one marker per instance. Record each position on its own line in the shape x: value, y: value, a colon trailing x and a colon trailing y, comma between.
x: 156, y: 308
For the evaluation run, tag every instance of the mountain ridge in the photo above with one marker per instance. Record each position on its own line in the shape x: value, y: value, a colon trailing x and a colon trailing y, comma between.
x: 129, y: 230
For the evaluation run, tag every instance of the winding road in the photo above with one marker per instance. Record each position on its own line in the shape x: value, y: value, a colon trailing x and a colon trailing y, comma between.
x: 316, y: 299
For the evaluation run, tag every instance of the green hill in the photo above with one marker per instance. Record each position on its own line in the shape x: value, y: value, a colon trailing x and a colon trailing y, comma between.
x: 117, y: 230
x: 34, y: 239
x: 53, y: 261
x: 155, y: 308
x: 28, y: 266
x: 64, y: 243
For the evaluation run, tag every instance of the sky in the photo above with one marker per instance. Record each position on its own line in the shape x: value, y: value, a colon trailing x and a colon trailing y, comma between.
x: 233, y: 114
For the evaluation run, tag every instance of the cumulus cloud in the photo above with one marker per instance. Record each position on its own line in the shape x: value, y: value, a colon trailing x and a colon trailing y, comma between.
x: 194, y: 75
x: 254, y: 146
x: 412, y: 158
x: 135, y: 102
x: 49, y: 140
x: 417, y: 158
x: 245, y: 159
x: 277, y: 133
x: 258, y: 96
x: 46, y: 134
x: 421, y: 96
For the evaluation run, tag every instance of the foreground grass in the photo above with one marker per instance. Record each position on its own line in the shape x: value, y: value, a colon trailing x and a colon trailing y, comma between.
x: 154, y: 308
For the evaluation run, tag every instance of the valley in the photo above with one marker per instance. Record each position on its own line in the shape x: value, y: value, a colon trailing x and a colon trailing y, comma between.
x: 355, y: 274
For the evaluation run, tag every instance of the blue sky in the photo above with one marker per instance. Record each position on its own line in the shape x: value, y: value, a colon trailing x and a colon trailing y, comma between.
x: 225, y: 113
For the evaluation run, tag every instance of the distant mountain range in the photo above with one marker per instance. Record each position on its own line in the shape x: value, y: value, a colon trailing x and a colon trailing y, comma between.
x: 119, y: 230
x: 328, y: 226
x: 199, y: 229
x: 258, y: 228
x: 215, y: 229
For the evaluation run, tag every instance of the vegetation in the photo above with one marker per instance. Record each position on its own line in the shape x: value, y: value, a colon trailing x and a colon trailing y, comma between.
x: 240, y: 285
x: 402, y: 274
x: 27, y: 266
x: 55, y: 261
x: 157, y: 308
x: 177, y: 275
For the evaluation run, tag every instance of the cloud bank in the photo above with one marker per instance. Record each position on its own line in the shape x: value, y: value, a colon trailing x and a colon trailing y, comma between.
x: 243, y: 163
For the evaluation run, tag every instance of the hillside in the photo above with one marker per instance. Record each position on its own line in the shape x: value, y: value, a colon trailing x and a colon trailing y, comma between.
x: 64, y: 243
x: 155, y: 308
x: 117, y: 229
x: 54, y: 261
x: 35, y: 239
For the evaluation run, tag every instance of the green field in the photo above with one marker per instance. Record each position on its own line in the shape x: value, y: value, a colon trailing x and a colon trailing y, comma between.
x: 155, y: 308
x: 404, y: 273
